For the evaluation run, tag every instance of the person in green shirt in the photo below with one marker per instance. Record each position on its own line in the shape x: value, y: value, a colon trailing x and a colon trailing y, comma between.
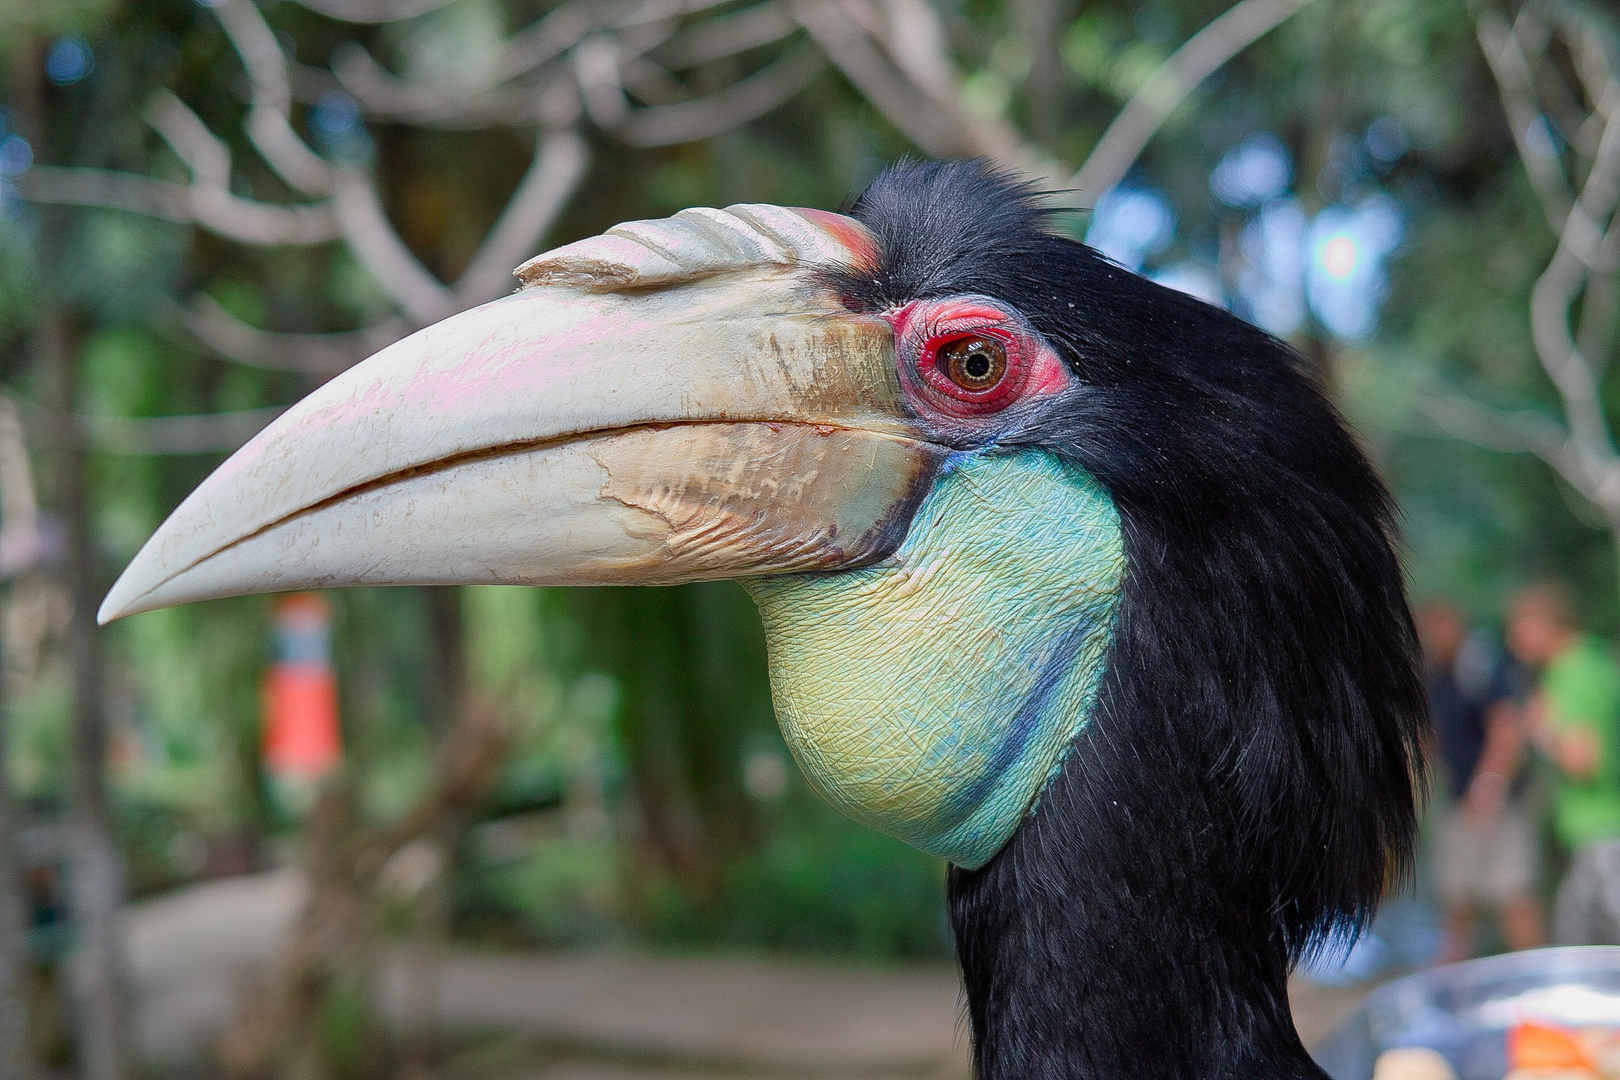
x: 1575, y: 715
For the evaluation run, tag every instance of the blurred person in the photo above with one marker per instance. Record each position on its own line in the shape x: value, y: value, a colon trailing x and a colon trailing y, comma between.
x: 1486, y: 852
x: 1574, y: 716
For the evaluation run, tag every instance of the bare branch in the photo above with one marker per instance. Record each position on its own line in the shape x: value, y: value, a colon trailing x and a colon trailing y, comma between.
x: 1552, y: 91
x: 649, y: 82
x: 1600, y: 315
x: 853, y: 33
x: 107, y: 189
x: 559, y: 165
x: 209, y: 200
x: 1551, y: 300
x: 321, y: 355
x: 596, y: 67
x: 915, y: 40
x: 269, y: 124
x: 567, y: 25
x: 1533, y: 32
x: 1147, y: 110
x: 1510, y: 431
x: 543, y: 41
x: 1597, y: 77
x: 1516, y: 432
x: 242, y: 220
x: 204, y: 156
x: 727, y: 35
x: 381, y: 93
x: 742, y: 101
x: 1515, y: 86
x: 1528, y: 432
x: 1586, y: 457
x: 938, y: 131
x: 641, y: 37
x: 214, y: 433
x: 366, y: 229
x: 374, y: 12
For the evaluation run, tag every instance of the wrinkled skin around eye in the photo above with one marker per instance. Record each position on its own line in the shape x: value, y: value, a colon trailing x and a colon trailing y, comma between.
x: 968, y: 364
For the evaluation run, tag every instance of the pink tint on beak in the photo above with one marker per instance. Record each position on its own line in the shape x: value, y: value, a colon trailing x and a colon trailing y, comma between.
x: 848, y: 232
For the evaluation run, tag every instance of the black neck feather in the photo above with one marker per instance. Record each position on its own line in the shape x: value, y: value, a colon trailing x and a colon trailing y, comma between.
x: 1104, y: 941
x: 1248, y: 781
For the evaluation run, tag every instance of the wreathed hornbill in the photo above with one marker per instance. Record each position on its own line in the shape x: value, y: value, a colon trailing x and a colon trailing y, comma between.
x: 1067, y: 578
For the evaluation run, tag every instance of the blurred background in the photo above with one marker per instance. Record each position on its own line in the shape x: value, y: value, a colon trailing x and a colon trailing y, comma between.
x: 391, y: 831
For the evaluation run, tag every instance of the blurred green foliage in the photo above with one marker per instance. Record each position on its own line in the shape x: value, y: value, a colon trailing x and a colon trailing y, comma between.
x: 25, y: 22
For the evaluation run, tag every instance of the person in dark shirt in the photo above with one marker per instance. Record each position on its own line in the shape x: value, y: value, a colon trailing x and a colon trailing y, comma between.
x: 1485, y: 855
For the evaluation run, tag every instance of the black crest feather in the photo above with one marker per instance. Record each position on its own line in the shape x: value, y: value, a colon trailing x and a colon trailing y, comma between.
x: 1249, y: 780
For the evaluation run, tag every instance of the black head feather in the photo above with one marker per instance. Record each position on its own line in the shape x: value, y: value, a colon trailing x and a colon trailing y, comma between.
x: 1250, y: 778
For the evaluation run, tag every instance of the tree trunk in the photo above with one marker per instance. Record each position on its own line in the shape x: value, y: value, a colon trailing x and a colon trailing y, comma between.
x: 445, y: 698
x: 95, y: 877
x: 15, y: 1060
x: 447, y: 664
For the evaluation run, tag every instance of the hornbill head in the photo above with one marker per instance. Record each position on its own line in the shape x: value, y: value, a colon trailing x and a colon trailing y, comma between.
x: 1066, y: 578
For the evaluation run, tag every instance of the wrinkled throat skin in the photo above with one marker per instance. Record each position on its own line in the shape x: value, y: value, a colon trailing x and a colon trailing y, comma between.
x: 932, y: 696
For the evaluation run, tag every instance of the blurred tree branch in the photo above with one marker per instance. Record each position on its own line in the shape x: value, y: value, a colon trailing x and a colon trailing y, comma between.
x: 350, y: 208
x: 1578, y: 444
x: 209, y: 433
x: 220, y: 212
x: 150, y: 436
x: 1203, y: 54
x: 894, y: 51
x: 849, y: 31
x: 701, y: 118
x: 319, y: 355
x: 375, y: 11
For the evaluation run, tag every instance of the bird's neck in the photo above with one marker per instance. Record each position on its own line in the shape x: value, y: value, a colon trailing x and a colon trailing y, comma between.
x: 1104, y: 942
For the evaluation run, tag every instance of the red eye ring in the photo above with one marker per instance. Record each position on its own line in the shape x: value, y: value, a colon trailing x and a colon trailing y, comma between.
x: 974, y: 371
x: 962, y: 360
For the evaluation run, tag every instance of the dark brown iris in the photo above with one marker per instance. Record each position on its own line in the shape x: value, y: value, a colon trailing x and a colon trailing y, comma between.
x: 974, y: 363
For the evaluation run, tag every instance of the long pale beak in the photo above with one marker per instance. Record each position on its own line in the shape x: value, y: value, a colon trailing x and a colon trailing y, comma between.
x: 672, y: 401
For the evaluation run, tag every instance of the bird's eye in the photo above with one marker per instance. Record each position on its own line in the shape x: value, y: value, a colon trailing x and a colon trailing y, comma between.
x: 973, y: 362
x: 969, y: 358
x: 972, y: 370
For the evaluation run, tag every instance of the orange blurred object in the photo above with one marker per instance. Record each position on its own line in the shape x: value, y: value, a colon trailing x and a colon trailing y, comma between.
x: 1532, y: 1045
x: 300, y: 733
x: 301, y: 739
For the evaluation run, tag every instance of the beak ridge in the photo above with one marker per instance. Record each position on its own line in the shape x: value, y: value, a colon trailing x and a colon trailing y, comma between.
x: 671, y: 401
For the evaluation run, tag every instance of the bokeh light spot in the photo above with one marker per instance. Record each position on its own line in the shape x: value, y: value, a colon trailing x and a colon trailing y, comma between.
x: 1254, y: 171
x: 1131, y: 223
x: 1339, y: 257
x: 69, y: 60
x: 15, y: 155
x: 336, y: 113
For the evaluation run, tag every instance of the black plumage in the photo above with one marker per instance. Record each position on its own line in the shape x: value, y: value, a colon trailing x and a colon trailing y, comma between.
x: 1249, y: 779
